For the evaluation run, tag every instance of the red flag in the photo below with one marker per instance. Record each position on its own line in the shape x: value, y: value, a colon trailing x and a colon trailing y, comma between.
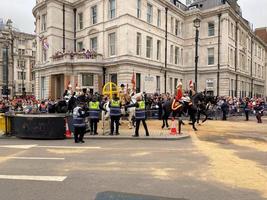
x: 133, y: 81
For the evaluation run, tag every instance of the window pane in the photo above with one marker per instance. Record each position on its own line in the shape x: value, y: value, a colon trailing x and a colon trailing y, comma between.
x: 158, y: 50
x: 211, y: 29
x: 149, y: 13
x: 148, y: 47
x: 94, y: 44
x: 138, y: 8
x: 111, y: 9
x: 87, y: 80
x: 210, y: 56
x: 138, y: 82
x: 94, y: 14
x: 138, y: 44
x: 112, y: 45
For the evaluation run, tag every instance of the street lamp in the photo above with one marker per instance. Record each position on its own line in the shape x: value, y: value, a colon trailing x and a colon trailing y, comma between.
x: 23, y: 85
x: 196, y: 25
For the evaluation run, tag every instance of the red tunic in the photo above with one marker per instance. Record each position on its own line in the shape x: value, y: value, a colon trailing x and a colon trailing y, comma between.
x: 179, y: 94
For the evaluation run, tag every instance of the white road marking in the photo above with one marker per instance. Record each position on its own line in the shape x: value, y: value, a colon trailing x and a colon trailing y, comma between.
x: 18, y: 146
x: 32, y: 158
x: 67, y: 147
x: 34, y: 178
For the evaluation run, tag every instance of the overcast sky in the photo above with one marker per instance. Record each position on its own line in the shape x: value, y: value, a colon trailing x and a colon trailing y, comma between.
x: 20, y: 11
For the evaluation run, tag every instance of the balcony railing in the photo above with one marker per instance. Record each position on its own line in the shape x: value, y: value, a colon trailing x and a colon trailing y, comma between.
x: 77, y: 56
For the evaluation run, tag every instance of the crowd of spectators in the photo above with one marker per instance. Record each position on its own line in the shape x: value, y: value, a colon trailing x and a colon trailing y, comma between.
x: 235, y: 106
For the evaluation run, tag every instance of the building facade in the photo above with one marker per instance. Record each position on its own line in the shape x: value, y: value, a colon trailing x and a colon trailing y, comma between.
x: 87, y: 43
x: 21, y: 48
x: 262, y: 34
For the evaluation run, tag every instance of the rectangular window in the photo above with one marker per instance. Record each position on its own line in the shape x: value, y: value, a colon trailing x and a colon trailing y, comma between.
x: 148, y: 47
x: 43, y: 23
x: 158, y: 84
x: 158, y: 49
x: 88, y: 80
x: 80, y: 46
x: 94, y: 44
x: 211, y: 28
x: 80, y: 20
x: 94, y: 14
x: 21, y: 75
x: 182, y: 57
x: 175, y: 82
x: 171, y: 24
x: 171, y: 54
x: 159, y: 18
x: 149, y: 13
x: 177, y: 27
x: 112, y: 44
x: 114, y: 79
x: 112, y: 9
x: 210, y: 56
x: 176, y: 55
x: 138, y: 82
x: 171, y: 85
x: 138, y: 44
x: 19, y: 88
x: 138, y: 8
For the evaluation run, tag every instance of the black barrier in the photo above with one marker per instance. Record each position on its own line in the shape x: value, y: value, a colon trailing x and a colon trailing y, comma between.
x: 38, y: 126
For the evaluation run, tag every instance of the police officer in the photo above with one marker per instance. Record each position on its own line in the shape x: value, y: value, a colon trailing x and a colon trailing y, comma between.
x: 140, y: 115
x: 79, y: 123
x: 115, y: 114
x: 94, y: 111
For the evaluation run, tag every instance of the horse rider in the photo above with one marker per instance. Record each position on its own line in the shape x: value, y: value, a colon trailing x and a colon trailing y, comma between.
x: 79, y: 122
x: 94, y: 112
x: 192, y: 91
x: 177, y: 101
x: 140, y: 115
x: 115, y: 114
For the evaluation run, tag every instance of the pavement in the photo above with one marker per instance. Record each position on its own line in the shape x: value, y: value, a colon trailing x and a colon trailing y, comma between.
x: 154, y: 126
x: 222, y: 161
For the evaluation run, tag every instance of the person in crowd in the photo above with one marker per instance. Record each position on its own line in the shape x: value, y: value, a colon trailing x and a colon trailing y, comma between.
x: 94, y: 112
x: 224, y: 108
x: 259, y: 108
x: 79, y: 122
x: 43, y: 107
x: 115, y: 114
x: 72, y: 102
x: 166, y: 106
x: 246, y: 108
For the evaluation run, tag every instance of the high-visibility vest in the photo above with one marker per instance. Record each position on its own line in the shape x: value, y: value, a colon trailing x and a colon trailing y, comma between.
x: 94, y: 110
x: 140, y: 112
x: 115, y: 109
x: 78, y: 120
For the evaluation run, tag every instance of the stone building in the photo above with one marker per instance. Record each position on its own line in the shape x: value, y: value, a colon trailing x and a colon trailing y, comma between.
x: 21, y: 59
x: 262, y: 33
x: 126, y: 38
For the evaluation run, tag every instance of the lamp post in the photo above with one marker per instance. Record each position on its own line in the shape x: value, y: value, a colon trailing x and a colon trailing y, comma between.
x: 23, y: 84
x: 196, y: 25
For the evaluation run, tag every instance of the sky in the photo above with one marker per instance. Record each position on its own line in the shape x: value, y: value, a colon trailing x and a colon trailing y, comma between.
x: 20, y: 12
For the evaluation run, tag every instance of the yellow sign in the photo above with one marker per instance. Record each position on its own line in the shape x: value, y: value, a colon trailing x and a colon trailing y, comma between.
x: 110, y: 88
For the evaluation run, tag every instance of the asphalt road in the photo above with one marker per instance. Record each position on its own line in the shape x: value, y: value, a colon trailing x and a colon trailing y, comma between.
x: 199, y: 168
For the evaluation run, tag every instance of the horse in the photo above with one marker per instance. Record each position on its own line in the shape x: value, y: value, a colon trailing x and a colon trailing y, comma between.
x: 203, y: 103
x: 184, y: 106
